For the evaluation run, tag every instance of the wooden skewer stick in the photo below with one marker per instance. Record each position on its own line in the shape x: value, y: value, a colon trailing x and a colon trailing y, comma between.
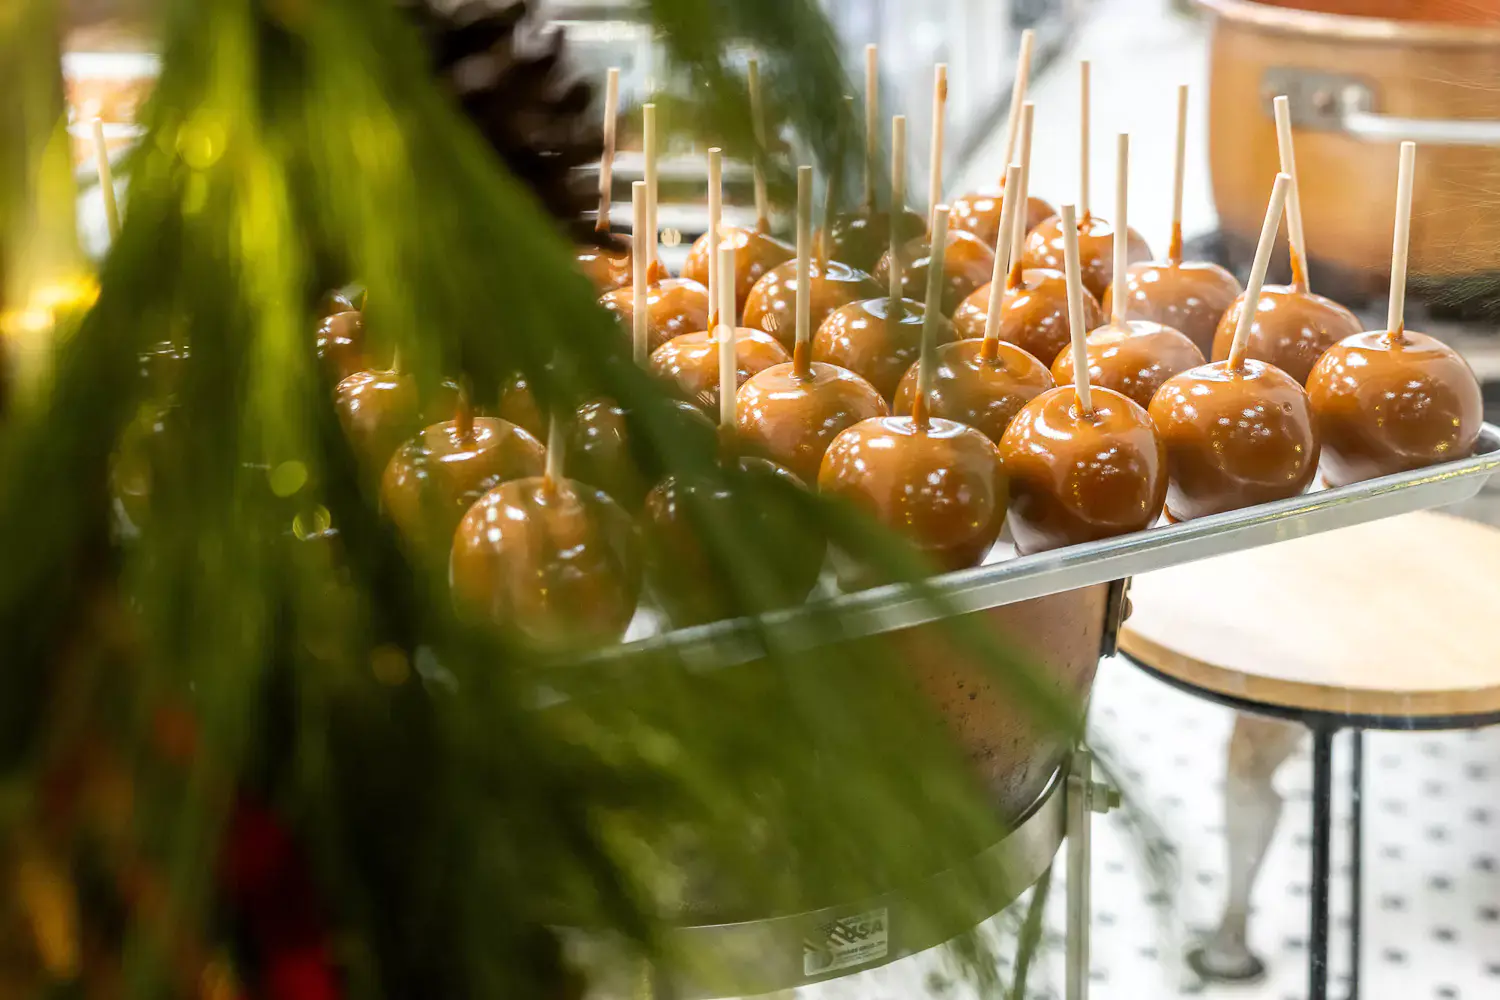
x: 1257, y: 278
x: 106, y: 181
x: 552, y: 471
x: 1179, y: 175
x: 894, y: 306
x: 758, y: 129
x: 728, y: 340
x: 1018, y: 92
x: 935, y: 166
x: 802, y: 348
x: 1395, y: 320
x: 1084, y: 102
x: 1023, y: 197
x: 1009, y: 212
x: 640, y: 261
x: 872, y: 122
x: 1296, y: 237
x: 1122, y: 230
x: 607, y: 161
x: 932, y: 316
x: 648, y: 131
x: 1078, y: 334
x: 715, y: 216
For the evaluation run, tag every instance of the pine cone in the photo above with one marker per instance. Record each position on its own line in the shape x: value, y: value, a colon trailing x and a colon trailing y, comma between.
x: 537, y: 121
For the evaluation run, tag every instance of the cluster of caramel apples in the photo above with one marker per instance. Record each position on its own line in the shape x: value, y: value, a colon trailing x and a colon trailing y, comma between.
x: 948, y: 375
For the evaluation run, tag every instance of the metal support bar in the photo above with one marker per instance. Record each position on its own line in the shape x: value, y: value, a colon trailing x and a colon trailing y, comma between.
x: 1322, y: 835
x: 1085, y: 797
x: 1356, y: 856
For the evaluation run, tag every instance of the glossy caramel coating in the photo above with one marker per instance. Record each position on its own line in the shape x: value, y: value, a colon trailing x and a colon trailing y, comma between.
x: 938, y: 483
x: 518, y: 405
x: 792, y: 420
x: 860, y: 238
x: 1135, y: 359
x: 434, y: 477
x: 755, y: 253
x: 1385, y: 406
x: 691, y: 361
x: 558, y: 561
x: 1292, y: 329
x: 1033, y: 313
x: 1081, y: 478
x: 1234, y: 439
x: 336, y: 301
x: 772, y: 303
x: 983, y: 392
x: 859, y: 337
x: 1096, y: 248
x: 978, y: 212
x: 341, y: 344
x: 691, y: 571
x: 967, y: 264
x: 609, y: 271
x: 380, y: 410
x: 1189, y: 296
x: 674, y: 306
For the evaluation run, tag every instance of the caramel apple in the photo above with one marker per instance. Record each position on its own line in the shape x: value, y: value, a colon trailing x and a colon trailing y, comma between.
x: 1237, y: 432
x: 1391, y: 400
x: 674, y: 306
x: 1033, y: 312
x: 336, y: 301
x: 967, y: 264
x: 518, y: 405
x: 552, y: 557
x: 381, y: 409
x: 982, y: 383
x: 434, y: 477
x: 863, y: 338
x: 755, y: 254
x: 1291, y: 328
x: 936, y: 481
x: 790, y: 412
x: 1133, y: 357
x: 609, y: 269
x: 1084, y: 461
x: 1096, y: 241
x: 1189, y: 296
x: 341, y: 344
x: 609, y: 262
x: 691, y: 361
x: 772, y: 302
x: 861, y: 237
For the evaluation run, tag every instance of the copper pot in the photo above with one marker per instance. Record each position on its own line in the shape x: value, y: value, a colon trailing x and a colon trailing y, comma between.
x: 1362, y: 75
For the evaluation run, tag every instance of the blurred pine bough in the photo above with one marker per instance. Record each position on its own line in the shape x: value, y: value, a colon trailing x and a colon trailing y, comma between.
x: 238, y: 759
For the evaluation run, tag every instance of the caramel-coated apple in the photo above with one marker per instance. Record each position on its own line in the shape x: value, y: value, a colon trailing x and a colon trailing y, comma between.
x: 772, y: 303
x: 1388, y: 404
x: 983, y: 387
x: 674, y: 306
x: 791, y: 420
x: 1096, y: 241
x: 1234, y: 438
x: 691, y: 361
x: 755, y: 253
x: 557, y: 560
x: 1292, y: 329
x: 1079, y: 477
x: 861, y: 338
x: 1134, y: 359
x: 1190, y: 296
x: 341, y: 344
x: 968, y: 264
x: 1033, y: 313
x: 689, y: 561
x: 612, y: 269
x: 434, y: 477
x: 861, y: 237
x: 518, y: 405
x: 600, y: 451
x: 381, y: 409
x: 336, y: 301
x: 979, y: 213
x: 935, y: 481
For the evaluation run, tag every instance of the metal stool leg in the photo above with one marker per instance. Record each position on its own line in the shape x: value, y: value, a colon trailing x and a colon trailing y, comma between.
x: 1080, y: 861
x: 1322, y: 835
x: 1356, y: 856
x: 1030, y: 938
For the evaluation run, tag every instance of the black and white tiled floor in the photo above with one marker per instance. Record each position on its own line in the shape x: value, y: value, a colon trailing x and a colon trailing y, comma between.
x: 1432, y: 866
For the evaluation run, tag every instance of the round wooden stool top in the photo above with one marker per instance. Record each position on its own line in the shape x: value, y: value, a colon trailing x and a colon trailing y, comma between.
x: 1397, y: 618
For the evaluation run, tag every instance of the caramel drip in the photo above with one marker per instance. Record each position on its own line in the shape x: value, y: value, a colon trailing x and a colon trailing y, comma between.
x: 1299, y: 272
x: 1398, y: 335
x: 729, y: 446
x: 1174, y: 248
x: 464, y: 418
x: 1013, y: 280
x: 919, y: 412
x: 802, y: 360
x: 989, y: 349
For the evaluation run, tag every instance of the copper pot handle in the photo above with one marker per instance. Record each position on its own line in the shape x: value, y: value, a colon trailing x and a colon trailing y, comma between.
x: 1335, y: 102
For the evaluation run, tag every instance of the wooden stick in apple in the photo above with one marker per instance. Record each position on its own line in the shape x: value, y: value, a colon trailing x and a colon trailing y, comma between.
x: 1179, y: 174
x: 758, y: 129
x: 1018, y: 92
x: 1296, y: 236
x: 648, y: 133
x: 1258, y: 270
x: 715, y: 216
x: 935, y: 165
x: 1395, y: 321
x: 802, y: 349
x: 1122, y: 227
x: 106, y: 181
x: 1023, y: 196
x: 642, y: 263
x: 898, y: 205
x: 607, y: 160
x: 1078, y: 334
x: 1012, y: 209
x: 932, y: 318
x: 728, y: 347
x: 1084, y: 102
x: 872, y: 123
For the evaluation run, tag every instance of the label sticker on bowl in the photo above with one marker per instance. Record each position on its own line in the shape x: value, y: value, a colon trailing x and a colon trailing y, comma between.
x: 840, y: 944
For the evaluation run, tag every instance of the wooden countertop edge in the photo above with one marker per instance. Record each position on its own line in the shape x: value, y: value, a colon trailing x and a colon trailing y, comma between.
x: 1279, y: 692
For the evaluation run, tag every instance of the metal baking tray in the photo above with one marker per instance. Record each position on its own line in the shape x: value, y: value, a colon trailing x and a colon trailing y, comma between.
x: 1006, y: 580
